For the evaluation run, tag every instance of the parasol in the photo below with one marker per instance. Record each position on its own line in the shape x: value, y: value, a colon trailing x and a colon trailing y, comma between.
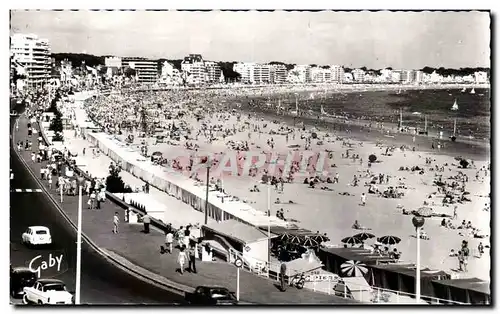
x: 309, y: 241
x: 425, y: 211
x: 320, y: 238
x: 364, y: 236
x: 295, y: 239
x: 157, y: 154
x: 354, y: 269
x: 351, y: 240
x: 285, y: 236
x: 389, y: 240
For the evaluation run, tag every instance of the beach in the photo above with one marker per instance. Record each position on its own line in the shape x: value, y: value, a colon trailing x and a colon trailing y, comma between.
x: 322, y: 208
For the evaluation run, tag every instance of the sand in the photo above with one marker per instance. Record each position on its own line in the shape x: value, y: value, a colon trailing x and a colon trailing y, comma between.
x: 327, y: 211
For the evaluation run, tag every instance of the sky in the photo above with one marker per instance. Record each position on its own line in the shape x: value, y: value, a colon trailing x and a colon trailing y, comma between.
x: 402, y: 40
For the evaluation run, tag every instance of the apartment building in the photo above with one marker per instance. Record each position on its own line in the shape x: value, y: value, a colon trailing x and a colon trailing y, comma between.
x: 358, y: 75
x: 213, y: 71
x: 278, y: 73
x: 193, y: 68
x: 245, y: 69
x: 146, y: 70
x: 337, y: 73
x: 33, y: 54
x: 320, y: 75
x: 481, y: 77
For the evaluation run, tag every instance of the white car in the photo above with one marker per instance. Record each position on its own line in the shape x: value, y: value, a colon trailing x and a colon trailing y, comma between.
x: 47, y: 291
x: 37, y: 235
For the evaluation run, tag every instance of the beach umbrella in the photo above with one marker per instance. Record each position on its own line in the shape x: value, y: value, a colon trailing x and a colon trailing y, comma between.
x: 157, y: 154
x: 310, y: 241
x: 352, y: 240
x: 389, y: 240
x: 320, y: 238
x: 354, y: 269
x: 285, y: 236
x: 425, y: 211
x: 295, y: 239
x: 364, y: 236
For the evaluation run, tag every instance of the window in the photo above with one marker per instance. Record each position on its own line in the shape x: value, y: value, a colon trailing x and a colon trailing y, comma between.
x: 41, y: 232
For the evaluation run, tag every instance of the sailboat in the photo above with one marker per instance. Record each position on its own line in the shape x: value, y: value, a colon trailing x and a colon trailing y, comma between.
x: 472, y: 91
x: 464, y: 90
x: 455, y: 106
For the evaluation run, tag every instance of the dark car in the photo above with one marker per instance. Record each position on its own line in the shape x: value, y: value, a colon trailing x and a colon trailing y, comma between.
x: 205, y: 295
x: 21, y: 277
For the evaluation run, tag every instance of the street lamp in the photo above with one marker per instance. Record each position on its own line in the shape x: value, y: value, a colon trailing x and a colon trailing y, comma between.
x: 418, y: 222
x: 208, y: 165
x: 79, y: 248
x: 269, y: 220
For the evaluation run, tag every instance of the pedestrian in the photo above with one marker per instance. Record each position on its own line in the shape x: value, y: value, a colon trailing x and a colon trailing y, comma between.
x: 180, y: 236
x: 363, y: 199
x: 192, y: 257
x: 169, y: 239
x: 181, y: 259
x: 116, y: 222
x: 83, y: 152
x: 146, y: 221
x: 282, y: 277
x: 92, y: 200
x: 50, y: 182
x: 480, y: 249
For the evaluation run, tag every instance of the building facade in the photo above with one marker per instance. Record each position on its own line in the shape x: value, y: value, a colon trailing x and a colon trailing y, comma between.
x: 33, y: 54
x: 320, y: 75
x: 358, y: 75
x: 481, y: 77
x: 113, y: 62
x: 213, y: 71
x: 337, y: 73
x: 193, y: 69
x: 278, y: 73
x: 146, y: 70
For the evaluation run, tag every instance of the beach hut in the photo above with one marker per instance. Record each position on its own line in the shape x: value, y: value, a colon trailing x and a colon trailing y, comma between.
x: 356, y: 288
x: 466, y: 290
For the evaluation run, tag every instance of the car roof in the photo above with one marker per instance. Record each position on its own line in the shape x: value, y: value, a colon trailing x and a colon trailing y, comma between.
x: 46, y: 281
x: 39, y: 228
x: 21, y: 269
x: 213, y: 287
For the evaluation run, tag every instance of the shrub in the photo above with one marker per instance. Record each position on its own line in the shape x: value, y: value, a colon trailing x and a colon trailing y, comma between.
x: 114, y: 182
x: 372, y: 158
x: 464, y: 163
x: 58, y: 137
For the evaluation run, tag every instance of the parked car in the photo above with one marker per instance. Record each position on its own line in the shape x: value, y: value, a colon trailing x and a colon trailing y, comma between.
x: 47, y: 291
x: 37, y: 235
x: 21, y: 277
x: 208, y: 295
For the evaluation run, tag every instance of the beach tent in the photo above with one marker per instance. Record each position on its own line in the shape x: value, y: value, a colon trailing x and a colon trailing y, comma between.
x: 400, y: 277
x: 466, y: 290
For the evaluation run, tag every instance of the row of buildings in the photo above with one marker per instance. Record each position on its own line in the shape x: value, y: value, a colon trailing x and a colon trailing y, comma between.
x: 30, y: 57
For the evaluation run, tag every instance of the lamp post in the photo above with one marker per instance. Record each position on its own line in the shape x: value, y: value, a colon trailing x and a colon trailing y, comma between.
x: 418, y: 222
x: 208, y: 165
x: 79, y: 248
x: 269, y: 220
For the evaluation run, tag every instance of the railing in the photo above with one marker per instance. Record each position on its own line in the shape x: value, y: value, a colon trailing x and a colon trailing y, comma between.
x: 365, y: 293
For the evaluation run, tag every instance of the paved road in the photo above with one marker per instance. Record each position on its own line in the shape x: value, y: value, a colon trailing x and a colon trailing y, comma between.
x: 102, y: 283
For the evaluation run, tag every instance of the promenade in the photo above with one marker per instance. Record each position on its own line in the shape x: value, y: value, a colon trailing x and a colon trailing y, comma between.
x: 142, y: 250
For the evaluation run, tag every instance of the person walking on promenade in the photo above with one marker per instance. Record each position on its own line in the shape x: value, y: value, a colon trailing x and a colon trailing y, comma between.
x: 282, y: 277
x: 181, y: 259
x: 116, y: 222
x: 192, y: 257
x: 169, y: 239
x: 146, y: 220
x: 179, y: 236
x: 363, y: 199
x: 480, y: 249
x: 455, y: 216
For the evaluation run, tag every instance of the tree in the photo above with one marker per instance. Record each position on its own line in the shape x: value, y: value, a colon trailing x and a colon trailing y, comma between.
x: 114, y: 182
x: 56, y: 125
x: 129, y: 72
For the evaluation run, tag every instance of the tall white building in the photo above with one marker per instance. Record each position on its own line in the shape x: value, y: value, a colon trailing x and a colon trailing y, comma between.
x: 278, y: 73
x: 33, y: 54
x: 320, y: 75
x: 358, y: 75
x: 193, y: 68
x: 169, y: 74
x: 337, y: 73
x: 213, y: 72
x: 146, y: 70
x: 246, y: 70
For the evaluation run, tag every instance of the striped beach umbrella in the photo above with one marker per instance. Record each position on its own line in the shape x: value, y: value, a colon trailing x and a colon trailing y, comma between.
x: 389, y: 240
x: 352, y: 240
x: 354, y: 269
x: 364, y: 236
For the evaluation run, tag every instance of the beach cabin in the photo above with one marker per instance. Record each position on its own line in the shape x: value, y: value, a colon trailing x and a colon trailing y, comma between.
x: 248, y: 242
x: 356, y: 288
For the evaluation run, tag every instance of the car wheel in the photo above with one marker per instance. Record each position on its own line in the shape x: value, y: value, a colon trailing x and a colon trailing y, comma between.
x: 25, y: 299
x: 40, y: 302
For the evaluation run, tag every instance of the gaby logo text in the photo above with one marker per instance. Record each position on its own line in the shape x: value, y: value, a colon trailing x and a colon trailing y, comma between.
x: 39, y: 264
